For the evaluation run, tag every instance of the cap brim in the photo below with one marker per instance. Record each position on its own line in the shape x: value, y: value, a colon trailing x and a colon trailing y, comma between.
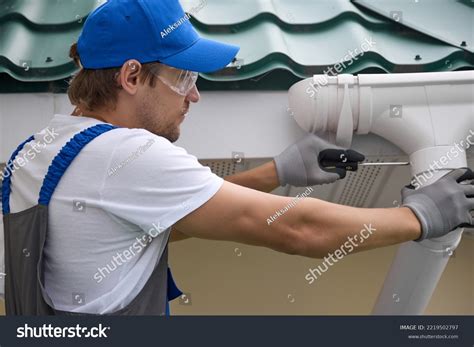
x: 203, y: 56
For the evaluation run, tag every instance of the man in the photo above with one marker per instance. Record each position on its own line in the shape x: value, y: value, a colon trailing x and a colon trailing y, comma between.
x: 93, y: 211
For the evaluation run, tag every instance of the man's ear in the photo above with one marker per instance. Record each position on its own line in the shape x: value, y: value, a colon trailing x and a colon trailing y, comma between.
x: 129, y: 76
x: 77, y: 112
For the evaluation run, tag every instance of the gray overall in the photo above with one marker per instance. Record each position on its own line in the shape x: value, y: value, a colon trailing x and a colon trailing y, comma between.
x: 25, y: 237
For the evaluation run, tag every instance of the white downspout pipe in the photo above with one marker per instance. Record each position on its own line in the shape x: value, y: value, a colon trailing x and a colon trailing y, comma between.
x: 424, y: 114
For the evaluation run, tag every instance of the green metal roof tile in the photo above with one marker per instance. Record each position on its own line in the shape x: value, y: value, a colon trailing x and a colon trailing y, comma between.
x: 266, y: 47
x: 446, y: 20
x: 47, y: 12
x: 35, y: 37
x: 227, y: 13
x: 281, y: 41
x: 29, y: 55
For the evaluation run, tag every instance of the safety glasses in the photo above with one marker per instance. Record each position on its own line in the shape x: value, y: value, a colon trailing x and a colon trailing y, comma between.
x: 180, y: 81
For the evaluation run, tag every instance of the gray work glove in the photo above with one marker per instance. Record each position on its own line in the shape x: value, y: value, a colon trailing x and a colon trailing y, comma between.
x: 442, y: 206
x: 299, y: 165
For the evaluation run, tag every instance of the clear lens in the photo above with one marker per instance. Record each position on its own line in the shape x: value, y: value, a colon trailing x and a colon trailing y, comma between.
x: 180, y: 81
x: 185, y: 81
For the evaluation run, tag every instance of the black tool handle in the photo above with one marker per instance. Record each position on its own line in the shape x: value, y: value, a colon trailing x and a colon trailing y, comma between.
x: 339, y: 160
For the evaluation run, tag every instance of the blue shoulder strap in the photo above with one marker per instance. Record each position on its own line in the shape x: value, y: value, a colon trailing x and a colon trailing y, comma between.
x: 7, y: 177
x: 56, y: 170
x: 173, y: 291
x: 65, y: 157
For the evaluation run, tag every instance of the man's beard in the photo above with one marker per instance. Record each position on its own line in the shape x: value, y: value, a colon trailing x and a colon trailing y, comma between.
x: 152, y: 122
x: 171, y: 133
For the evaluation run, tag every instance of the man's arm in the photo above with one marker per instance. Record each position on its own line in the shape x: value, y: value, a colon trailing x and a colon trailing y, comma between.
x: 311, y: 228
x: 298, y: 165
x: 263, y: 178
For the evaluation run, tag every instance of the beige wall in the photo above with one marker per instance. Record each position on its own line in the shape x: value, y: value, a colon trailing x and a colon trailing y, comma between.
x: 259, y: 281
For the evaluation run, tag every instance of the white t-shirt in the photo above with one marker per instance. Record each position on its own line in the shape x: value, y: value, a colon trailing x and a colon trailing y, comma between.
x: 123, y: 186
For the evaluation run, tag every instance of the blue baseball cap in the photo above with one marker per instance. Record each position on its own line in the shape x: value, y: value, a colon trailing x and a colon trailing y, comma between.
x: 148, y: 31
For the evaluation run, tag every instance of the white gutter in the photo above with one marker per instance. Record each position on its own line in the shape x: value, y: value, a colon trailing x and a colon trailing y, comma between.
x: 424, y: 114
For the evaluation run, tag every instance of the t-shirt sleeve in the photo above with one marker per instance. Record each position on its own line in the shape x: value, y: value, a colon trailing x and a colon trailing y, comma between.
x: 152, y: 183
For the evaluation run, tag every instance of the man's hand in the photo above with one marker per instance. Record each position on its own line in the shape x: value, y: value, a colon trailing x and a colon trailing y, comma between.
x: 299, y: 165
x: 444, y: 205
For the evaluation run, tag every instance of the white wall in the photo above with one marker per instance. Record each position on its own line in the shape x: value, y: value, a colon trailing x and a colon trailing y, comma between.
x: 255, y: 123
x: 21, y: 115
